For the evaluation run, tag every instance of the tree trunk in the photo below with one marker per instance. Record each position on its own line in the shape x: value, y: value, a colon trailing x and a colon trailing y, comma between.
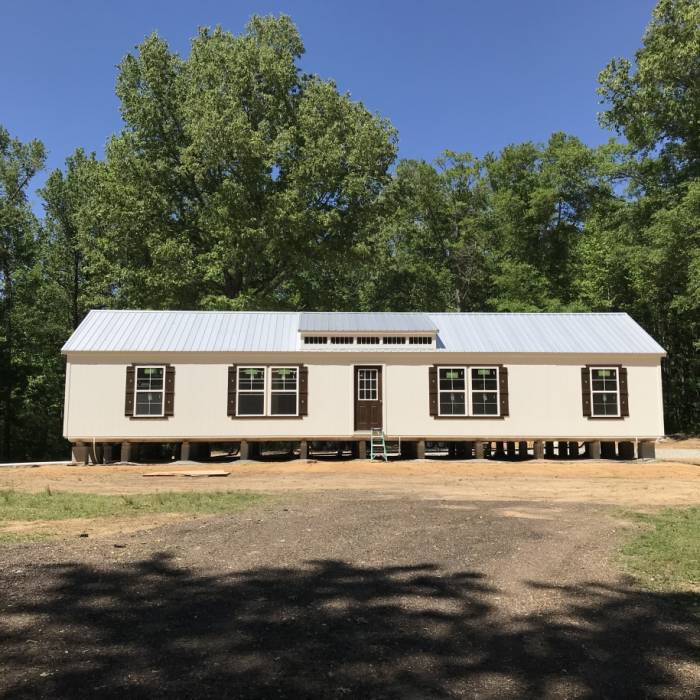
x: 76, y: 289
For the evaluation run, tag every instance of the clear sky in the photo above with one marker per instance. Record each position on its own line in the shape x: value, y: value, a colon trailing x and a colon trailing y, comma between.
x: 468, y: 75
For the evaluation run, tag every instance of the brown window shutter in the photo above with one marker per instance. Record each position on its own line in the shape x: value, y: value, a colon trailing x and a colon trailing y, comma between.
x: 503, y: 389
x: 586, y: 391
x: 231, y: 398
x: 169, y: 408
x: 303, y: 390
x: 433, y: 389
x: 129, y: 395
x: 624, y: 399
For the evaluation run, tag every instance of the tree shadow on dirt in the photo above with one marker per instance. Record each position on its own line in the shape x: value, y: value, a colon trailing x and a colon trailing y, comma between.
x: 330, y: 629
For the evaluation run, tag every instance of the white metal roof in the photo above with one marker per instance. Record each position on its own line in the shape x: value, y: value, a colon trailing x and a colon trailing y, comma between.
x: 184, y: 331
x: 544, y: 332
x: 359, y: 321
x: 272, y: 331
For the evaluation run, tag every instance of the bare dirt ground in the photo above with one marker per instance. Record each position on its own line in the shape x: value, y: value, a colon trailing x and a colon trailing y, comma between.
x: 91, y: 527
x: 629, y: 484
x: 427, y: 579
x: 685, y: 443
x: 344, y: 594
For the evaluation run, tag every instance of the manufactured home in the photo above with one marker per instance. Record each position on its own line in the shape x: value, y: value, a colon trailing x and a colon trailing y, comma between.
x: 544, y: 384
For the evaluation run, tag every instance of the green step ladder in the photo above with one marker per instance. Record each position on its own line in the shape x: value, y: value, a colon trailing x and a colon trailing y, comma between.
x: 377, y: 444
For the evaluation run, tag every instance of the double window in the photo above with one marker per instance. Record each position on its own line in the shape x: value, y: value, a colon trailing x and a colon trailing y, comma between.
x: 605, y: 391
x: 464, y: 391
x: 267, y: 391
x: 149, y: 388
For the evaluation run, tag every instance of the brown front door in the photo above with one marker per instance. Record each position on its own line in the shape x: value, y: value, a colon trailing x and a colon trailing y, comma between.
x: 368, y: 398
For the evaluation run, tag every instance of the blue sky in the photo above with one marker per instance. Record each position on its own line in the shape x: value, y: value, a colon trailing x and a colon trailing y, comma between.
x: 469, y: 75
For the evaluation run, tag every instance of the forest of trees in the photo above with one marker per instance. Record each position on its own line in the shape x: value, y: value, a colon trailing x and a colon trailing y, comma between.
x: 239, y: 182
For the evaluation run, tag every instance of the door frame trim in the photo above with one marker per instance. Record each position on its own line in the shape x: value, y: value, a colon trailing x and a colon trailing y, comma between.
x: 382, y: 374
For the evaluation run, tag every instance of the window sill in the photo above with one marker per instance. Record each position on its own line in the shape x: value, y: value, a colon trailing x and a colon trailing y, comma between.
x: 469, y: 417
x: 266, y: 417
x: 606, y: 417
x: 149, y: 417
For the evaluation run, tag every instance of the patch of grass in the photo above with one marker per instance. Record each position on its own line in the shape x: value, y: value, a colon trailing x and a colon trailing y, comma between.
x: 60, y: 505
x: 666, y: 554
x: 19, y: 537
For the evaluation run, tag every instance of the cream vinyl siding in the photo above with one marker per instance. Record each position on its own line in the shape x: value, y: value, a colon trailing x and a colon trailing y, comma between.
x: 544, y: 395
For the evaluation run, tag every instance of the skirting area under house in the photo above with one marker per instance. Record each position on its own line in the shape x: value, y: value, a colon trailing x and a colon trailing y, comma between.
x: 395, y: 449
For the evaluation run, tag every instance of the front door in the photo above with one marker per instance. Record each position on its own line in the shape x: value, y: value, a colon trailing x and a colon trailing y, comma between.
x: 368, y: 398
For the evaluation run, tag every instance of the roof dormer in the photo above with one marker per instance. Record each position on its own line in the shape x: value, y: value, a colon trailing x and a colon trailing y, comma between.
x: 367, y: 331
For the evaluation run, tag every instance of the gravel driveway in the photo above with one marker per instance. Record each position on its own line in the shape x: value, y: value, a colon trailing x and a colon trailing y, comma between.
x: 345, y: 595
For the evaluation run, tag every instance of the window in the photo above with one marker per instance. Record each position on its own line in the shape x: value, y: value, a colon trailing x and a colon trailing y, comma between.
x: 367, y: 389
x: 267, y: 391
x: 605, y: 391
x: 148, y: 392
x: 394, y: 340
x: 284, y: 391
x: 484, y: 391
x: 452, y: 391
x: 368, y: 340
x: 420, y: 340
x: 251, y: 391
x: 315, y: 340
x: 342, y: 340
x: 468, y: 391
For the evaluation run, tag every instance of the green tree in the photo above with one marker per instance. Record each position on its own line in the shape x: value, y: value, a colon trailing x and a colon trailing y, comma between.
x: 19, y: 162
x: 500, y: 232
x: 651, y: 243
x: 70, y: 234
x: 656, y: 103
x: 406, y: 260
x: 237, y: 181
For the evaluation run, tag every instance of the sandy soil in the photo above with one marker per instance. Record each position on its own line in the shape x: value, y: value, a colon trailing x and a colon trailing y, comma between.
x: 626, y: 484
x: 684, y: 444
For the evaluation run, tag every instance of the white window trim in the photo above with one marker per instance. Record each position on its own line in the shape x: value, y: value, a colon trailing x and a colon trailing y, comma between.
x: 240, y: 391
x: 267, y: 391
x: 605, y: 391
x: 469, y: 390
x: 376, y: 384
x: 449, y: 391
x: 282, y: 391
x: 485, y: 391
x: 138, y: 391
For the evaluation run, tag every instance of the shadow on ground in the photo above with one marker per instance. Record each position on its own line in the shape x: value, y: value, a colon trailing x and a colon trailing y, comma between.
x: 330, y: 629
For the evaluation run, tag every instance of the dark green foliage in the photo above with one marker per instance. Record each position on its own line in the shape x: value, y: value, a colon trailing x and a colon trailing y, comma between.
x: 23, y: 361
x: 238, y: 182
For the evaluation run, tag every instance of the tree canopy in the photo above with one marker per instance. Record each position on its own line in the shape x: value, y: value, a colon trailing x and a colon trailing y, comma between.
x: 236, y: 178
